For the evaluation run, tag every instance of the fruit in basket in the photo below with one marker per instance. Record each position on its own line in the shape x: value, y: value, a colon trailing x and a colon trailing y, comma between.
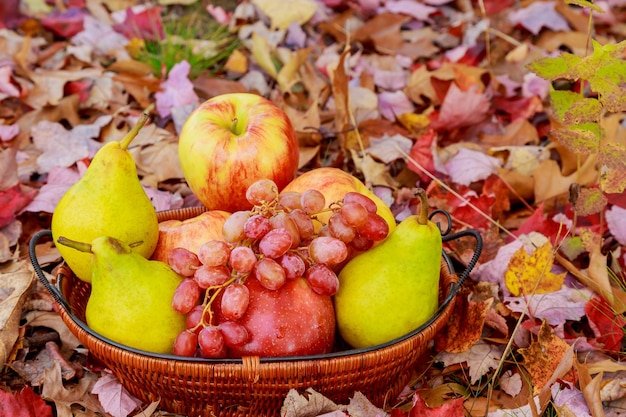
x: 108, y: 200
x: 334, y: 184
x: 131, y: 296
x: 189, y: 233
x: 232, y: 140
x: 392, y: 289
x: 268, y: 284
x: 292, y: 321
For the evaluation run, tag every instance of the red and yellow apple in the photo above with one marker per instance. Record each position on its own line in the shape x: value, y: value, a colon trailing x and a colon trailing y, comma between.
x: 290, y: 321
x: 189, y: 233
x: 232, y: 140
x: 335, y: 183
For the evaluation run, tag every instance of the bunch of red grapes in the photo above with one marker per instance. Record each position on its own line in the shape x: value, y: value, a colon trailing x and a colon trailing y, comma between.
x: 273, y: 242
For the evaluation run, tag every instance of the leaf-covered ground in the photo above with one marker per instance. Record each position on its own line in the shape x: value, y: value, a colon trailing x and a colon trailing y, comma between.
x: 401, y: 93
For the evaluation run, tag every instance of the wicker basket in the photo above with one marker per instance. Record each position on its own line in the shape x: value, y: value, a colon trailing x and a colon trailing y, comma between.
x: 252, y: 385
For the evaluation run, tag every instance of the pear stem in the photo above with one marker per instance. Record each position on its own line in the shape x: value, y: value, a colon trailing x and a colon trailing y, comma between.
x: 423, y: 214
x: 80, y: 246
x: 128, y: 138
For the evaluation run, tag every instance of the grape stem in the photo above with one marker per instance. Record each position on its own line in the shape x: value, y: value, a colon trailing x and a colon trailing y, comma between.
x: 422, y: 217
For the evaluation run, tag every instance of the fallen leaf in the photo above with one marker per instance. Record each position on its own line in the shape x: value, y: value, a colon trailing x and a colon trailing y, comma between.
x: 24, y: 403
x: 176, y: 91
x: 115, y: 399
x: 538, y: 15
x: 530, y: 274
x: 348, y: 138
x: 74, y: 394
x: 554, y: 307
x: 281, y: 17
x: 66, y: 23
x: 616, y: 224
x: 607, y: 326
x: 590, y: 388
x: 452, y: 408
x: 14, y: 288
x: 389, y: 148
x: 461, y: 108
x: 465, y: 326
x: 569, y: 400
x: 146, y: 24
x: 469, y: 166
x: 312, y: 403
x: 543, y: 356
x: 480, y: 359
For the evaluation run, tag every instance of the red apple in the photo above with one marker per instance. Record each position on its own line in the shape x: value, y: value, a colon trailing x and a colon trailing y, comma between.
x: 335, y: 183
x: 231, y: 141
x: 290, y: 321
x: 189, y: 233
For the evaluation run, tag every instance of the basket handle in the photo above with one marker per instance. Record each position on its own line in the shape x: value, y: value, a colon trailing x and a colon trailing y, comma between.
x: 53, y: 290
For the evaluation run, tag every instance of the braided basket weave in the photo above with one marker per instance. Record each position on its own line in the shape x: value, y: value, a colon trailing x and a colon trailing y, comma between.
x: 249, y: 386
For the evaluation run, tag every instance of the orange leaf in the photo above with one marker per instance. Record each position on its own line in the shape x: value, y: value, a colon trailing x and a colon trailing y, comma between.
x: 465, y: 325
x: 543, y: 356
x: 528, y: 274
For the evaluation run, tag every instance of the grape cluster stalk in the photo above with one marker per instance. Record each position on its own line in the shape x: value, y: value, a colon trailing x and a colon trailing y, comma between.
x: 275, y: 241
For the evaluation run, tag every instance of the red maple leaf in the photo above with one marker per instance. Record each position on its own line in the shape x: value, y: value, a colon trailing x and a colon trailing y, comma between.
x: 24, y: 403
x: 452, y: 408
x: 146, y: 24
x: 422, y: 153
x: 607, y: 326
x: 12, y: 201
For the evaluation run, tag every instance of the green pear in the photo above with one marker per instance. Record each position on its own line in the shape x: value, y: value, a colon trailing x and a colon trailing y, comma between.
x: 393, y: 288
x: 107, y: 201
x: 131, y: 296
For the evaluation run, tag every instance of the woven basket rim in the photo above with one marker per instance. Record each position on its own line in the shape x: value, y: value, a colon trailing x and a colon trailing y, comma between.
x: 446, y: 268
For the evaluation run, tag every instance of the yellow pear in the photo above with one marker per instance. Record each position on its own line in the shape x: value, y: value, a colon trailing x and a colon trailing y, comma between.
x: 392, y: 289
x: 107, y: 201
x: 131, y: 296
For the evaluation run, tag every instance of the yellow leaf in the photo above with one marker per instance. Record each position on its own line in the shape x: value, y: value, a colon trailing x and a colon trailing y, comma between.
x: 527, y: 274
x: 414, y: 123
x: 283, y: 13
x: 261, y: 53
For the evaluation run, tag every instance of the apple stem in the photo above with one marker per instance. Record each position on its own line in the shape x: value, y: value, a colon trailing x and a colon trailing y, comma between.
x: 143, y: 119
x: 80, y: 246
x: 233, y: 126
x: 423, y: 214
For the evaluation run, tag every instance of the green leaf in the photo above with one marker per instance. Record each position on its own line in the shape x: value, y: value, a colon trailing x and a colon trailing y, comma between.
x: 552, y: 68
x: 613, y: 181
x: 613, y: 155
x: 586, y: 4
x: 562, y: 101
x: 582, y: 139
x: 589, y: 201
x: 584, y: 110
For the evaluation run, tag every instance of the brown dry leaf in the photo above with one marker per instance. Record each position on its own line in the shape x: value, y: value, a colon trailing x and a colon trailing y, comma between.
x: 375, y: 173
x: 139, y: 86
x: 49, y: 85
x: 348, y: 138
x: 518, y: 133
x: 543, y: 356
x: 309, y: 405
x: 613, y: 388
x: 530, y: 274
x: 209, y: 87
x: 590, y: 388
x: 383, y: 31
x: 53, y: 321
x: 550, y: 181
x: 14, y: 286
x: 465, y: 326
x: 65, y: 397
x: 289, y: 73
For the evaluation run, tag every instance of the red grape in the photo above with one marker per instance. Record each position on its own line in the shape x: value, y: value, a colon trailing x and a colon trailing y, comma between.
x: 214, y: 253
x: 275, y: 243
x: 322, y: 279
x: 340, y: 229
x: 293, y: 264
x: 235, y: 301
x: 233, y: 227
x: 328, y: 250
x: 242, y: 259
x: 289, y: 201
x: 354, y: 214
x: 375, y: 228
x: 186, y: 296
x: 183, y: 261
x: 283, y: 220
x: 312, y: 201
x: 361, y: 243
x: 304, y: 223
x: 211, y: 276
x: 235, y: 335
x: 270, y: 274
x: 211, y: 341
x: 261, y: 191
x: 194, y: 318
x: 365, y: 201
x: 257, y: 226
x: 186, y: 343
